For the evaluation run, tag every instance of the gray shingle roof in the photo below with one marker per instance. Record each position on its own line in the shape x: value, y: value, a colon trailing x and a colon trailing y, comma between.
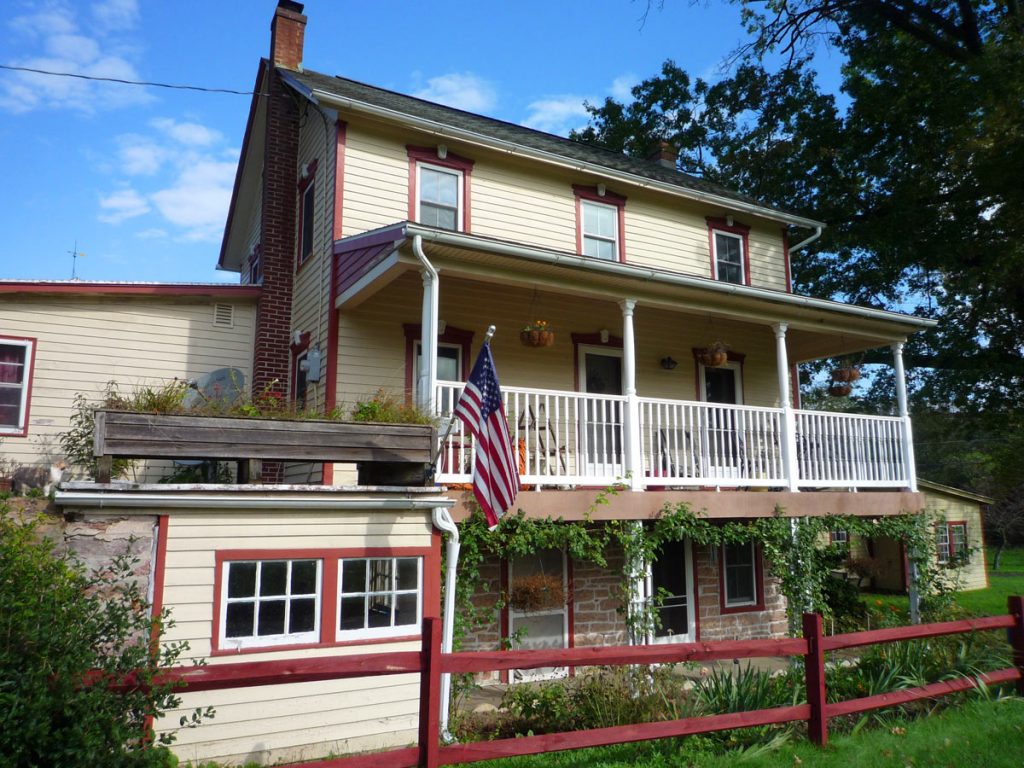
x: 510, y: 132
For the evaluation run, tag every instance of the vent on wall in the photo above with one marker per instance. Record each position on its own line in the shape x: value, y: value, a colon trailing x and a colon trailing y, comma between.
x: 224, y: 315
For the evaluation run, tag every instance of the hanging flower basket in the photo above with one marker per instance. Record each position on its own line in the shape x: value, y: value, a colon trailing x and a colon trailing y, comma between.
x: 537, y: 334
x: 715, y: 355
x: 840, y: 389
x: 846, y: 374
x: 538, y: 592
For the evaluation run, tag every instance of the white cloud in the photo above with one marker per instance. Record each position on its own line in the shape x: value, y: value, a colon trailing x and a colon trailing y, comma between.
x: 191, y: 134
x: 153, y: 233
x: 139, y: 155
x: 557, y: 114
x: 122, y: 205
x: 197, y: 200
x: 460, y: 90
x: 52, y: 40
x: 114, y: 15
x: 622, y: 87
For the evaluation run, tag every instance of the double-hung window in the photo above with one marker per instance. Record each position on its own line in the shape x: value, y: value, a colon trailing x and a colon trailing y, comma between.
x: 270, y: 602
x: 730, y: 254
x: 739, y: 575
x: 600, y: 230
x: 440, y: 197
x: 16, y: 357
x: 307, y: 212
x: 379, y: 597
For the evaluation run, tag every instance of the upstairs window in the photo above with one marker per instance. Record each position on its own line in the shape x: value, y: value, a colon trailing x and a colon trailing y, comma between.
x: 307, y: 212
x: 600, y: 220
x: 16, y: 357
x: 439, y: 188
x: 730, y: 253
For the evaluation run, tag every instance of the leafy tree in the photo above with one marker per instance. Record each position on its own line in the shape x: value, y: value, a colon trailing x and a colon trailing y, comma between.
x: 65, y: 638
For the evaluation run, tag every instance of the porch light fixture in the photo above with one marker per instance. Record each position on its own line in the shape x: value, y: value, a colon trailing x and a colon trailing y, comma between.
x: 605, y: 335
x: 442, y: 151
x: 668, y: 363
x: 728, y: 221
x: 442, y: 326
x: 600, y: 190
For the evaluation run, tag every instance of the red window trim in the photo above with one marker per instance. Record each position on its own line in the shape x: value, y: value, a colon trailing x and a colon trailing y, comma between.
x: 305, y: 183
x: 451, y: 161
x: 31, y: 343
x: 740, y: 230
x: 758, y: 583
x: 732, y: 357
x: 950, y: 525
x: 608, y: 198
x: 414, y: 333
x: 590, y: 340
x: 430, y: 602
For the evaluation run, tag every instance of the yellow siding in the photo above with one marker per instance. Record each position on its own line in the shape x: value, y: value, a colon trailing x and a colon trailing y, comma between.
x: 253, y: 231
x: 949, y: 508
x: 83, y: 343
x: 529, y: 202
x: 293, y: 721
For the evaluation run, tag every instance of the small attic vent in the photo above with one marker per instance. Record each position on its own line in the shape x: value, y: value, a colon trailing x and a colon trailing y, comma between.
x: 224, y: 315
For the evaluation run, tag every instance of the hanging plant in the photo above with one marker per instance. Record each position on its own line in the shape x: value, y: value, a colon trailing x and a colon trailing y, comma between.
x: 715, y: 355
x: 845, y: 373
x: 840, y: 389
x: 537, y: 593
x: 537, y: 334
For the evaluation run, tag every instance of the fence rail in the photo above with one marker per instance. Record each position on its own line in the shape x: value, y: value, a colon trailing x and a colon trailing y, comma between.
x: 431, y: 663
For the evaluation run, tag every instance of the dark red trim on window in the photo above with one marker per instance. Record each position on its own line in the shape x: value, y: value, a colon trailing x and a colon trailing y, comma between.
x: 328, y: 590
x: 740, y: 230
x: 589, y: 339
x: 608, y: 198
x: 758, y: 583
x: 950, y: 525
x: 306, y: 183
x: 452, y: 161
x: 159, y: 575
x: 30, y: 366
x: 414, y: 333
x: 785, y: 256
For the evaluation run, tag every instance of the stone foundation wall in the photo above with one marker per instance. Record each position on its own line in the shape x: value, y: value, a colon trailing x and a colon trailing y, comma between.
x: 598, y: 617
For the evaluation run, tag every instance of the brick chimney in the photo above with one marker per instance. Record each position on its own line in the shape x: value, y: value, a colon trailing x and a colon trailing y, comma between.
x: 287, y: 33
x: 664, y: 154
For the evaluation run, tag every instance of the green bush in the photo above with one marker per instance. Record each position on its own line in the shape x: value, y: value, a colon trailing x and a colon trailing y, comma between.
x: 65, y: 637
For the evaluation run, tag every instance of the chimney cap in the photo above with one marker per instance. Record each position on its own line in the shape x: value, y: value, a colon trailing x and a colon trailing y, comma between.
x: 290, y: 5
x: 664, y: 154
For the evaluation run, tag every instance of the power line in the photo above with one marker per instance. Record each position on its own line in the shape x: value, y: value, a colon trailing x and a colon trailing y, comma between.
x: 126, y: 82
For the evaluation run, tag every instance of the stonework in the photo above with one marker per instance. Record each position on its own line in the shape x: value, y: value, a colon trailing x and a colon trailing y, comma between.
x: 743, y: 625
x: 598, y: 615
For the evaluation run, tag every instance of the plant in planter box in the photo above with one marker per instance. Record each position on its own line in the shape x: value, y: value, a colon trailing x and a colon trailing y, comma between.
x: 715, y: 354
x: 537, y: 334
x: 537, y: 592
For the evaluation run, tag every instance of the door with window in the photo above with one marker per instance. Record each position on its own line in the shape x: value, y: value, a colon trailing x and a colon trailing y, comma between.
x: 538, y: 616
x: 670, y: 576
x: 602, y: 419
x: 722, y: 435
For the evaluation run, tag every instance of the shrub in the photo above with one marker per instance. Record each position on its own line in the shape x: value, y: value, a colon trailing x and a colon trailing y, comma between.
x: 65, y: 637
x: 385, y: 408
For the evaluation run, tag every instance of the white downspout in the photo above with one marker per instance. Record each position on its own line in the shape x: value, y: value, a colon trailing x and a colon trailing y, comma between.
x: 808, y: 241
x: 443, y: 521
x: 427, y: 384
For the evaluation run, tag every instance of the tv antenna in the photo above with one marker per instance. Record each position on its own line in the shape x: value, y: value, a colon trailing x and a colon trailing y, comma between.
x: 74, y: 260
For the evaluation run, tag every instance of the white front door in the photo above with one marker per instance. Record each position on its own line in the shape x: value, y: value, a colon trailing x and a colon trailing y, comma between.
x: 670, y: 575
x: 538, y: 617
x: 600, y: 372
x: 722, y: 438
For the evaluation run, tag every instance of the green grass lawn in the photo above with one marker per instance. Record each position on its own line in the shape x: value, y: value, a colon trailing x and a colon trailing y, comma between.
x: 989, y: 733
x: 1013, y: 559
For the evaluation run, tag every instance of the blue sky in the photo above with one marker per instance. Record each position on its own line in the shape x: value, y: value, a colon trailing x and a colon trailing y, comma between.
x: 141, y: 178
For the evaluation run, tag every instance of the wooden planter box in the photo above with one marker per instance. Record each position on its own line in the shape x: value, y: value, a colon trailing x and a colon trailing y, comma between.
x: 122, y: 434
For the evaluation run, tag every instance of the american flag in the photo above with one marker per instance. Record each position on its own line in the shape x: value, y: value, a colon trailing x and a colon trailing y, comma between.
x: 495, y: 476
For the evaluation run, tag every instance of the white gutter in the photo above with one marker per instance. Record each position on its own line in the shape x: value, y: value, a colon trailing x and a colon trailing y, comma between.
x: 512, y: 148
x: 427, y: 383
x: 808, y: 241
x: 101, y: 499
x: 443, y: 520
x: 462, y: 240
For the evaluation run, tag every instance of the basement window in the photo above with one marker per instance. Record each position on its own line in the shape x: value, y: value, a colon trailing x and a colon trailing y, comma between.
x: 270, y: 602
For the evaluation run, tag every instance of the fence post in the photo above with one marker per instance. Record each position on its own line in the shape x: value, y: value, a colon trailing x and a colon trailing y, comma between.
x: 430, y: 694
x: 814, y: 671
x: 1016, y: 606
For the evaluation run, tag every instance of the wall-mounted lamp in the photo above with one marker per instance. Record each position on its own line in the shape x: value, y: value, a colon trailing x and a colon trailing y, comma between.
x: 442, y: 326
x: 442, y: 151
x: 605, y: 335
x: 297, y: 337
x: 728, y: 221
x: 668, y: 363
x: 600, y: 190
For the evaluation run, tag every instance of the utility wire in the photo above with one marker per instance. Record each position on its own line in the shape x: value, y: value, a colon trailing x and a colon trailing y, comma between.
x: 126, y: 82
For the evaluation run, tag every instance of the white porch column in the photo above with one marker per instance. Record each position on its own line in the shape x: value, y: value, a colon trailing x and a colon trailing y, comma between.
x: 901, y: 403
x: 634, y: 463
x: 427, y: 384
x: 789, y: 461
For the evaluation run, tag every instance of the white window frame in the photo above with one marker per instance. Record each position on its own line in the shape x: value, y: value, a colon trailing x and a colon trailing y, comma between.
x: 840, y: 536
x: 725, y: 578
x: 372, y: 633
x: 942, y: 542
x: 733, y: 365
x: 584, y: 235
x: 460, y: 186
x: 267, y: 641
x: 21, y: 427
x: 715, y: 233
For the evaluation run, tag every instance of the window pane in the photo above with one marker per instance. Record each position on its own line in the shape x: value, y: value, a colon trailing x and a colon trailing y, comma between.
x: 241, y: 579
x: 437, y: 216
x: 12, y: 363
x: 272, y: 578
x: 304, y: 577
x: 599, y: 249
x: 599, y: 220
x: 302, y: 615
x: 408, y: 571
x: 739, y: 554
x: 353, y: 576
x: 271, y: 620
x: 405, y: 611
x: 307, y: 222
x: 380, y: 575
x: 739, y: 585
x: 352, y: 612
x: 380, y: 611
x: 239, y: 620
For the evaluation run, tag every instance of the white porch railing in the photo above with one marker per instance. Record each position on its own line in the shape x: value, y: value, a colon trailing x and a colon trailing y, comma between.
x: 574, y: 438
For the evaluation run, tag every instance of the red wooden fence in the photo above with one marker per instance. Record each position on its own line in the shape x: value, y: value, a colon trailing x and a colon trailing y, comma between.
x: 431, y: 663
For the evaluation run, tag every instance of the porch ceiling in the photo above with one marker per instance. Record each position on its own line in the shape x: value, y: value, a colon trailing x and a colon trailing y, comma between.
x: 715, y: 505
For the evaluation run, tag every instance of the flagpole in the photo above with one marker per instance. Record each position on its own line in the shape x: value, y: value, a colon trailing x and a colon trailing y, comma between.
x: 451, y: 421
